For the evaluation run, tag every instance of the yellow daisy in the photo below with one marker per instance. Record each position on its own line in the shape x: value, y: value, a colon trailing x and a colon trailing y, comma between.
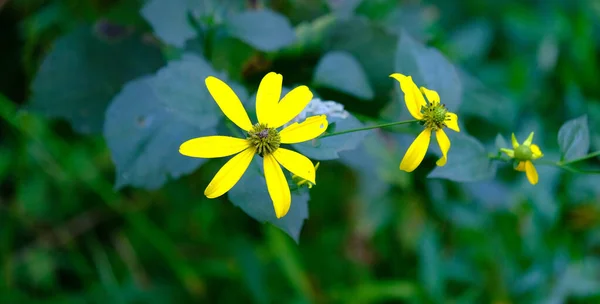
x: 262, y: 138
x: 433, y: 115
x: 525, y: 154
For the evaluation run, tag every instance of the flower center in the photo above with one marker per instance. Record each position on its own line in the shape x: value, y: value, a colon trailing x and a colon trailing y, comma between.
x: 523, y: 152
x: 434, y: 116
x: 264, y: 139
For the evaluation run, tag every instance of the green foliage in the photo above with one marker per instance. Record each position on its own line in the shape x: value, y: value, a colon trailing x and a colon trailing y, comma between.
x: 169, y: 19
x: 470, y: 161
x: 123, y: 217
x: 340, y: 71
x: 251, y: 195
x: 152, y: 116
x: 84, y: 71
x: 264, y: 29
x: 574, y: 138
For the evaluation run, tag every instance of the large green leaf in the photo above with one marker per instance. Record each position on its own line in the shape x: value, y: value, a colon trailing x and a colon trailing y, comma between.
x: 263, y: 29
x: 468, y: 161
x: 341, y: 71
x: 152, y: 116
x: 574, y: 138
x: 429, y: 68
x: 169, y: 19
x: 81, y: 74
x: 252, y: 196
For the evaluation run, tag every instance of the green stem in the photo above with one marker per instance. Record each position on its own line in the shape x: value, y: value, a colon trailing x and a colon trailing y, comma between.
x: 369, y: 128
x: 593, y: 154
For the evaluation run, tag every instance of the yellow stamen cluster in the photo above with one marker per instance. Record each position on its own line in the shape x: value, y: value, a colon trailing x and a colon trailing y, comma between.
x: 434, y: 116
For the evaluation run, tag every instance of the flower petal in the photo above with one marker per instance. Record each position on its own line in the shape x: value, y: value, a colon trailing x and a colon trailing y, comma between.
x: 452, y: 121
x: 296, y: 163
x: 416, y: 152
x: 412, y: 96
x: 229, y: 174
x: 532, y: 174
x: 444, y: 143
x: 509, y: 152
x: 432, y: 96
x: 229, y: 103
x: 213, y: 146
x: 277, y: 186
x: 310, y: 128
x: 267, y: 97
x: 520, y: 166
x: 290, y: 106
x: 537, y: 153
x: 529, y: 139
x: 515, y: 143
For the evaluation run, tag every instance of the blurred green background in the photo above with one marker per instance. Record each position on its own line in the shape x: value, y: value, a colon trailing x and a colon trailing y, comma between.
x: 85, y: 217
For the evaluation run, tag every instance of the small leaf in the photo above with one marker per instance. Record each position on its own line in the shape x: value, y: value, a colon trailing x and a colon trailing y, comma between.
x: 328, y: 148
x: 263, y: 29
x: 467, y: 161
x: 429, y: 68
x: 574, y: 138
x: 341, y: 71
x: 501, y: 142
x: 252, y: 196
x: 169, y: 19
x: 152, y: 116
x: 83, y: 72
x: 345, y: 8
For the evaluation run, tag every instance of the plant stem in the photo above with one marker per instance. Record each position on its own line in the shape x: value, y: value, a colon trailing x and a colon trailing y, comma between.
x: 369, y: 128
x: 593, y: 154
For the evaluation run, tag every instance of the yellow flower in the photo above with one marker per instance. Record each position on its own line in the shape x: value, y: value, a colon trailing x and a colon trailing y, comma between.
x: 525, y: 154
x: 433, y: 115
x: 262, y: 138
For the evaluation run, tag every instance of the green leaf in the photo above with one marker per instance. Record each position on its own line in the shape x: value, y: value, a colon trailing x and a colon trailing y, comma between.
x: 345, y: 8
x: 252, y: 196
x: 341, y: 71
x: 153, y: 115
x: 263, y: 29
x: 83, y: 72
x: 467, y: 161
x: 371, y: 45
x: 431, y: 266
x: 169, y: 19
x: 429, y: 68
x: 574, y: 138
x: 328, y: 148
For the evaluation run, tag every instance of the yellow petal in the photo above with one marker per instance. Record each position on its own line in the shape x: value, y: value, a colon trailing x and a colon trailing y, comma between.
x: 532, y: 175
x: 290, y: 106
x: 510, y: 153
x: 416, y: 152
x: 277, y: 186
x: 452, y: 121
x: 537, y: 153
x: 431, y: 95
x: 229, y: 103
x: 229, y: 174
x: 529, y: 139
x: 296, y: 163
x: 515, y: 143
x: 521, y: 166
x: 412, y: 96
x: 306, y: 130
x: 267, y: 97
x: 444, y: 143
x: 213, y: 146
